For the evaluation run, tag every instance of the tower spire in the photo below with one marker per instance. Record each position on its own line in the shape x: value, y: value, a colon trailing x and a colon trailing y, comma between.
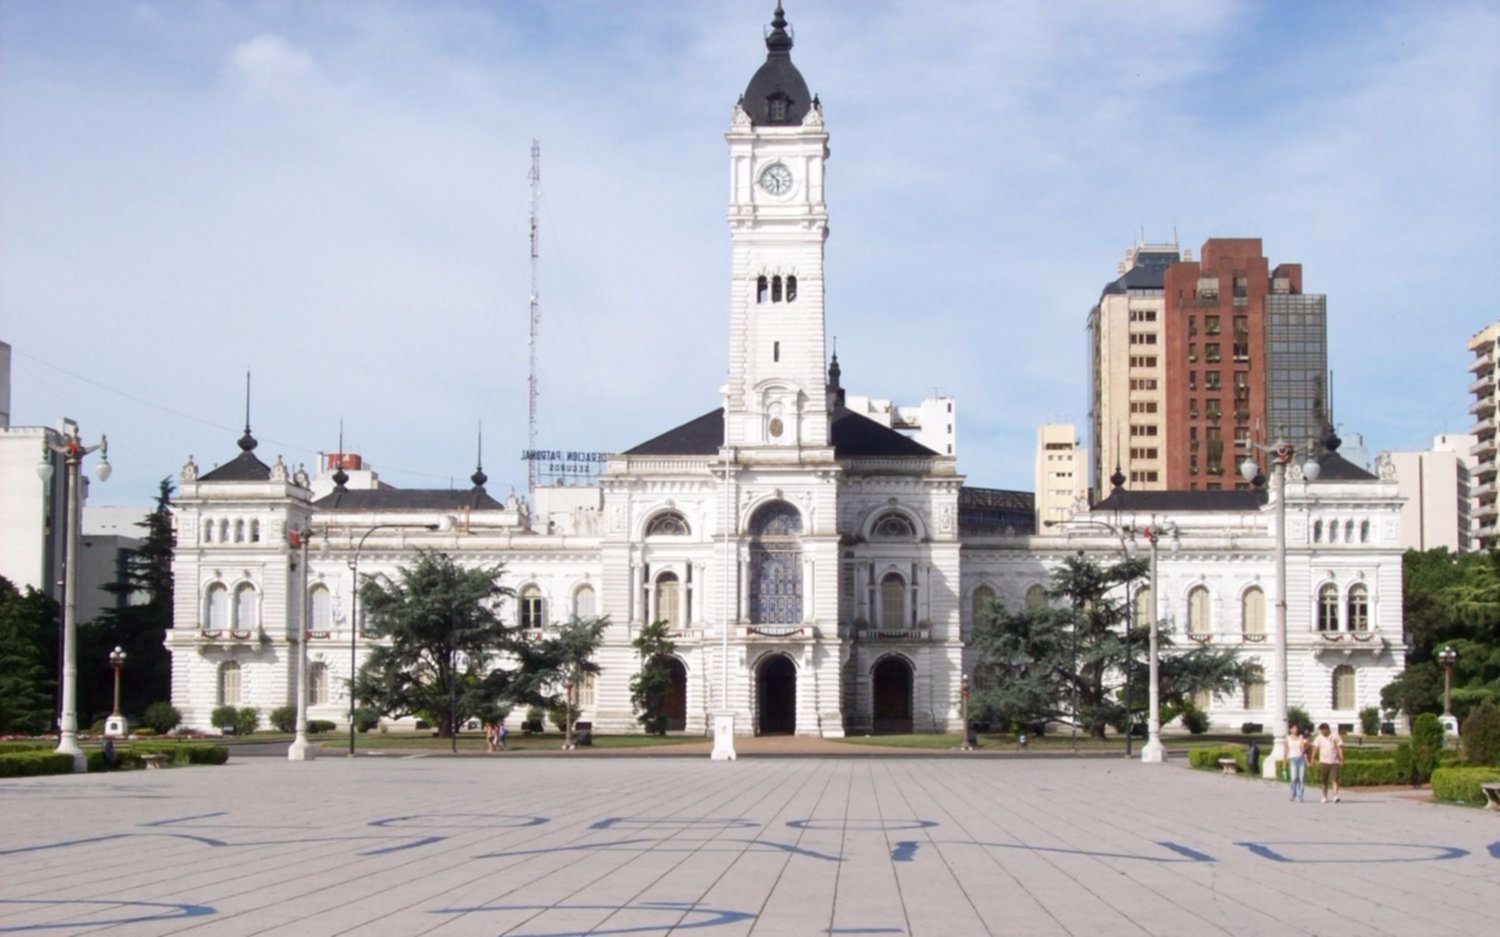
x: 479, y: 478
x: 247, y: 442
x: 340, y: 477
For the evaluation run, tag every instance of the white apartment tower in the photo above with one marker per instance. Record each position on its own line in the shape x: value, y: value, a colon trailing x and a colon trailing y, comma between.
x: 1061, y: 474
x: 1483, y: 345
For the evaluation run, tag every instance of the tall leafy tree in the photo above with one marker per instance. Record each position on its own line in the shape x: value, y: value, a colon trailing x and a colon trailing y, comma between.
x: 28, y: 645
x: 450, y: 657
x: 1450, y: 599
x: 1037, y: 664
x: 569, y: 656
x: 650, y: 685
x: 138, y: 624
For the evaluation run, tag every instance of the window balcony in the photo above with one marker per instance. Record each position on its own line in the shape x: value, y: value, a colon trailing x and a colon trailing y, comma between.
x: 1483, y: 364
x: 1484, y: 451
x: 1482, y: 407
x: 1484, y: 385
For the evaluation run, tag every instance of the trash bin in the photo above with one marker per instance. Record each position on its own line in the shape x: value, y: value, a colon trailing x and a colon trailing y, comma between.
x: 1252, y: 758
x: 583, y: 733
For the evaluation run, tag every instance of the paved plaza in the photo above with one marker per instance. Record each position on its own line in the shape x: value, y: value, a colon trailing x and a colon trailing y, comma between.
x: 936, y: 845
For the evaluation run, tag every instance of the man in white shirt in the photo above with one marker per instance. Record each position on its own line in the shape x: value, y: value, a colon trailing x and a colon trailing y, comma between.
x: 1328, y: 753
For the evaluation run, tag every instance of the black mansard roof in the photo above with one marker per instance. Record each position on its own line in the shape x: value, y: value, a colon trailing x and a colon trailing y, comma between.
x: 244, y: 467
x: 408, y: 499
x: 852, y: 436
x: 778, y: 78
x: 1149, y: 272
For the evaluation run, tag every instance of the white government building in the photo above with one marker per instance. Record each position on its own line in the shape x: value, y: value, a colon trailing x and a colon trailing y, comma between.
x: 847, y: 558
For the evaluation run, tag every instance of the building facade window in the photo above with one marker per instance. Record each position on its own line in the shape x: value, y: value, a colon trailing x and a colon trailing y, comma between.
x: 1343, y: 687
x: 1145, y: 606
x: 1253, y: 611
x: 322, y: 608
x: 1036, y: 596
x: 667, y: 524
x: 669, y: 600
x: 229, y: 683
x: 892, y: 526
x: 1255, y: 688
x: 1359, y: 607
x: 980, y: 603
x: 584, y: 605
x: 1328, y: 607
x: 317, y: 684
x: 532, y: 606
x: 216, y: 607
x: 776, y: 565
x: 246, y: 608
x: 892, y: 602
x: 1200, y: 615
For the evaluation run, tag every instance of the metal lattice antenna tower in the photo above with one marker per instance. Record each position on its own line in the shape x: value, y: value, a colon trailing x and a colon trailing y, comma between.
x: 535, y: 179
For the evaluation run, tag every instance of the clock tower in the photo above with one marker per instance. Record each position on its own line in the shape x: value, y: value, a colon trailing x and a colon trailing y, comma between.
x: 776, y: 395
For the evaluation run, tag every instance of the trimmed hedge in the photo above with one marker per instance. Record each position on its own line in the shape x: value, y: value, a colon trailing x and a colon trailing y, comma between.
x: 26, y: 764
x: 125, y: 759
x: 1368, y: 754
x: 1461, y: 785
x: 1368, y: 773
x: 1208, y: 757
x: 41, y: 745
x: 183, y: 753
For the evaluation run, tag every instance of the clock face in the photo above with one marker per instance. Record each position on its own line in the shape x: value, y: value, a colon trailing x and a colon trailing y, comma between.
x: 776, y: 179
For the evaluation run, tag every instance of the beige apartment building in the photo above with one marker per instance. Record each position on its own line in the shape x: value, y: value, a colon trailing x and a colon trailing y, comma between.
x: 1483, y: 346
x: 1435, y: 484
x: 1061, y: 474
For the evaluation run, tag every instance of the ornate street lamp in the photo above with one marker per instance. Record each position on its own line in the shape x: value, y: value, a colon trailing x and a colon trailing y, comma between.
x: 1153, y: 751
x: 1281, y: 455
x: 72, y: 451
x: 1447, y: 657
x: 301, y: 749
x: 117, y: 661
x: 968, y: 745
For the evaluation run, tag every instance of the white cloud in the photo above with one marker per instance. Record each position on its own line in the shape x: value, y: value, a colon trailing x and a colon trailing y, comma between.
x: 269, y: 67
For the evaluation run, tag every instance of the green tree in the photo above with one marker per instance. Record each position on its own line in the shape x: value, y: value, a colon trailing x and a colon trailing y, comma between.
x: 1449, y: 600
x: 650, y: 685
x: 137, y: 624
x: 447, y: 642
x: 28, y: 646
x: 1033, y: 664
x: 569, y: 660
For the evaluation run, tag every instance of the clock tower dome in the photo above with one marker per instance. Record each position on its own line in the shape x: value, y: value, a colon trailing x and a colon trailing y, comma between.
x: 776, y: 395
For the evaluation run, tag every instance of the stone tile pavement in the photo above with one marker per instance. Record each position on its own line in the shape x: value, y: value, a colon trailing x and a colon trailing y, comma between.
x: 923, y: 846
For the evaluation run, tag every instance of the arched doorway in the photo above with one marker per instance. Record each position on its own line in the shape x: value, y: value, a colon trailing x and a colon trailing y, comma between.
x: 893, y: 682
x: 674, y: 707
x: 776, y: 696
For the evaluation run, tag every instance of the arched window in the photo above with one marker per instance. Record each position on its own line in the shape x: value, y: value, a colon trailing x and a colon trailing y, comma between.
x: 246, y: 608
x: 892, y: 526
x: 1255, y: 689
x: 254, y: 531
x: 776, y: 565
x: 229, y: 683
x: 1145, y: 606
x: 208, y: 530
x: 532, y: 609
x: 1343, y: 687
x: 892, y: 602
x: 1036, y: 596
x: 1333, y: 531
x: 1317, y: 531
x: 777, y: 104
x: 1348, y: 531
x: 583, y: 602
x: 1364, y: 531
x: 216, y: 607
x: 1253, y: 611
x: 762, y: 289
x: 667, y: 524
x: 317, y: 684
x: 224, y: 530
x: 322, y: 609
x: 669, y: 600
x: 239, y: 531
x: 1200, y: 612
x: 776, y: 289
x: 583, y: 693
x: 1328, y: 607
x: 983, y: 598
x: 1359, y: 607
x: 791, y: 289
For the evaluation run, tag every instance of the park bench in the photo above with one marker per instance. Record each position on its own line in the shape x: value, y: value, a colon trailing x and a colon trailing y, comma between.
x: 154, y: 760
x: 1491, y: 794
x: 1229, y: 766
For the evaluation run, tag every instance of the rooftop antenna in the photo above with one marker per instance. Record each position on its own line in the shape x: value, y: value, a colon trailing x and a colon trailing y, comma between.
x: 479, y: 478
x: 340, y: 477
x: 247, y: 442
x: 535, y: 180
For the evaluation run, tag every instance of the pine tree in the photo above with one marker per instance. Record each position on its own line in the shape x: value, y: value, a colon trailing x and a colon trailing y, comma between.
x: 28, y: 643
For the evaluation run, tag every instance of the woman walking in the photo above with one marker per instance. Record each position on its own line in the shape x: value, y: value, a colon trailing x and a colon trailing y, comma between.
x: 1296, y: 760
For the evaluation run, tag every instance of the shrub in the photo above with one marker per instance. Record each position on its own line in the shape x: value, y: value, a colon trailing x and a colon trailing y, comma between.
x: 246, y: 720
x: 366, y: 718
x: 124, y: 758
x: 559, y: 717
x: 1208, y: 757
x: 224, y: 717
x: 284, y: 718
x: 1195, y: 720
x: 7, y: 748
x: 1296, y: 715
x: 184, y: 753
x: 1426, y: 743
x: 1352, y: 753
x: 1403, y: 762
x: 32, y: 763
x: 1481, y: 735
x: 1370, y: 772
x: 316, y: 726
x: 1252, y: 728
x: 1461, y: 785
x: 161, y: 717
x: 1369, y: 721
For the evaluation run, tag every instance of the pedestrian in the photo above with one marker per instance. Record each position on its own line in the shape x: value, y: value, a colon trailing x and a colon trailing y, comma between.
x: 1296, y: 760
x: 490, y: 733
x: 1328, y: 749
x: 504, y: 734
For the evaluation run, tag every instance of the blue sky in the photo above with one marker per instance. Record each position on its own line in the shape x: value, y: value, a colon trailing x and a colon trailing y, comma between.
x: 334, y: 196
